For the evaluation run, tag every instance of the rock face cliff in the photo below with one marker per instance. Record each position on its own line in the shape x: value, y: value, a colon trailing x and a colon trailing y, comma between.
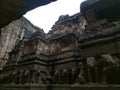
x: 10, y: 35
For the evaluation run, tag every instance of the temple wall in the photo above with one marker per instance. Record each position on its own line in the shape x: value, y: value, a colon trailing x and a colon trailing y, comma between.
x: 61, y: 87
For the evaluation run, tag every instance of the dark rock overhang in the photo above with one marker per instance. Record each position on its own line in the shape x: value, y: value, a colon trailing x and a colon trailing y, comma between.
x: 103, y: 8
x: 14, y: 9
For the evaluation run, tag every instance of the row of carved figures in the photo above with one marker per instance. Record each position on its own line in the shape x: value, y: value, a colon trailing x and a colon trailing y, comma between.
x: 24, y: 77
x: 91, y: 70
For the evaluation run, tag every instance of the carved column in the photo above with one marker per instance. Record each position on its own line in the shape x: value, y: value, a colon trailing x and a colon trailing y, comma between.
x: 96, y: 75
x: 89, y: 74
x: 104, y: 77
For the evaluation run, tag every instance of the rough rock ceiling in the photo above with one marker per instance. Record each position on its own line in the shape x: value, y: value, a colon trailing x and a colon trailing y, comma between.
x: 14, y: 9
x: 103, y: 8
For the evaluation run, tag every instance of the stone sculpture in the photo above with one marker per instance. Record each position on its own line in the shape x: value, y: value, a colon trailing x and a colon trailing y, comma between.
x: 108, y: 63
x: 72, y: 52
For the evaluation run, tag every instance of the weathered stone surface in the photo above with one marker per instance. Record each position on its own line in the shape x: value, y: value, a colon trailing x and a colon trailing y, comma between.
x: 13, y: 33
x: 64, y: 59
x: 97, y: 34
x: 100, y: 9
x: 59, y: 87
x: 12, y: 10
x: 68, y: 24
x: 73, y: 52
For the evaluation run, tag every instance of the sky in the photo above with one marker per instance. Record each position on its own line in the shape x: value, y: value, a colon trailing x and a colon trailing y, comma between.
x: 45, y: 16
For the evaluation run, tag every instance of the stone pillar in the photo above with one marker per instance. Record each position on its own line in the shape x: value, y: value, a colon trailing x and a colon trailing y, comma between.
x: 90, y: 75
x: 104, y: 77
x: 96, y: 75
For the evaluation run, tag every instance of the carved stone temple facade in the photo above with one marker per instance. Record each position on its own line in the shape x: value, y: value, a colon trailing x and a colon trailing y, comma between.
x: 80, y: 49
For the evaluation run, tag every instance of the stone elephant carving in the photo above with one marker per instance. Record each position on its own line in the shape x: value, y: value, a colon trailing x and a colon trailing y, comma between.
x: 92, y: 69
x: 108, y: 63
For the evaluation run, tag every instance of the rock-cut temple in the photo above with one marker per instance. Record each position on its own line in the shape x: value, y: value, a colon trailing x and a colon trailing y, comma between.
x: 80, y: 49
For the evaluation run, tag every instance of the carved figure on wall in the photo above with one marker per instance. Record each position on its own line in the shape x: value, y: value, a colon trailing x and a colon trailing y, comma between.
x: 57, y: 77
x: 81, y: 76
x: 53, y: 48
x: 73, y: 75
x: 21, y: 77
x: 92, y: 69
x: 14, y: 77
x: 43, y: 77
x: 27, y: 75
x: 117, y: 61
x: 17, y: 77
x: 108, y: 63
x: 24, y: 77
x: 65, y: 76
x: 39, y: 77
x: 34, y: 77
